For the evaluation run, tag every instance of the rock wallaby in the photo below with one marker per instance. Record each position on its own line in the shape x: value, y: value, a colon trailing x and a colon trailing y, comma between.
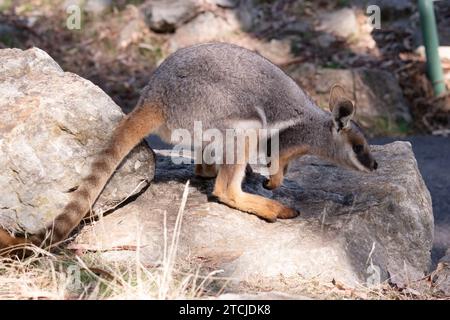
x: 222, y: 86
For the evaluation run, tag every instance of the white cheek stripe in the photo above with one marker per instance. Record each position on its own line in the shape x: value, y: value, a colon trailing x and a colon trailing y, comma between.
x: 262, y: 116
x: 282, y: 125
x: 348, y: 150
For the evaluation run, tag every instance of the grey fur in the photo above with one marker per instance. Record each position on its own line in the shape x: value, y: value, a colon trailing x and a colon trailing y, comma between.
x: 216, y: 83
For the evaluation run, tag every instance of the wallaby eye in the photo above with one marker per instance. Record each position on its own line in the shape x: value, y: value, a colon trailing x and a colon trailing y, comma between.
x: 358, y: 148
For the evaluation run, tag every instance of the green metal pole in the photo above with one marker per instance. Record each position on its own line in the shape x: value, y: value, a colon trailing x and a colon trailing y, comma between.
x: 431, y: 42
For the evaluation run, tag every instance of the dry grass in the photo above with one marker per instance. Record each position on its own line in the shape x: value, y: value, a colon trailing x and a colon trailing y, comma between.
x: 67, y: 275
x: 73, y: 277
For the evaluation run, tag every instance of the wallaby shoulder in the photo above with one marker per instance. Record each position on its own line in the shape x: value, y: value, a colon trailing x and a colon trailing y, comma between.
x: 218, y: 81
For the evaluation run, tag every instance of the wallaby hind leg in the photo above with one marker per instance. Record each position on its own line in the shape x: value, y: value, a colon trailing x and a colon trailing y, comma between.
x: 210, y: 170
x: 206, y: 170
x: 229, y: 191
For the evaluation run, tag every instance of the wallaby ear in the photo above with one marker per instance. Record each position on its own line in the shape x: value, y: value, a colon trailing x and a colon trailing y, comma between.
x: 342, y: 108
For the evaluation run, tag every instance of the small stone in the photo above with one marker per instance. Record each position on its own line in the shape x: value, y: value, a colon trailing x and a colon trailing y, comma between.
x: 167, y: 15
x: 341, y: 23
x: 97, y: 7
x: 205, y: 27
x: 137, y: 165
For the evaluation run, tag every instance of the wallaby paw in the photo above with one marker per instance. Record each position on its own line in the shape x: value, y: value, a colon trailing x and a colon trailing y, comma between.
x: 205, y: 172
x: 5, y: 239
x: 287, y: 213
x: 271, y: 184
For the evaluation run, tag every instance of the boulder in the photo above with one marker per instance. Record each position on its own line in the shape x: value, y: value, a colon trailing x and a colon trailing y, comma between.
x: 381, y: 107
x: 167, y: 15
x: 356, y: 228
x: 52, y: 124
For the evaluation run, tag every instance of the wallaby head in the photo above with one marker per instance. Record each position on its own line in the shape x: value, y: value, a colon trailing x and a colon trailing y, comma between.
x: 350, y: 146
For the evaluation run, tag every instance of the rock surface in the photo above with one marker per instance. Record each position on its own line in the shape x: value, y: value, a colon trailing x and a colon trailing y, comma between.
x: 442, y: 281
x: 167, y: 15
x: 354, y: 227
x: 52, y: 124
x: 209, y: 27
x: 379, y: 100
x: 205, y: 27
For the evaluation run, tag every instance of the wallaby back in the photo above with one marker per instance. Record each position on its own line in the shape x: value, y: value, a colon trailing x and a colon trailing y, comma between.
x: 218, y: 82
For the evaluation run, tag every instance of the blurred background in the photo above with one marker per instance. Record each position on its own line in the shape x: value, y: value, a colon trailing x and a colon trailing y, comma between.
x: 381, y: 62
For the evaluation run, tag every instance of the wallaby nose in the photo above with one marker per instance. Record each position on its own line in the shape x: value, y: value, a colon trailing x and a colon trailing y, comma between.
x: 266, y: 184
x: 375, y: 165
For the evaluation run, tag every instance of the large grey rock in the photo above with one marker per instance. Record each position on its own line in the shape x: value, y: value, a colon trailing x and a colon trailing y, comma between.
x: 354, y: 227
x: 167, y: 15
x: 381, y: 107
x: 51, y: 125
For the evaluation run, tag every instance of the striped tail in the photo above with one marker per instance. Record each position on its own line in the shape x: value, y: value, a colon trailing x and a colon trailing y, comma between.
x: 130, y: 131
